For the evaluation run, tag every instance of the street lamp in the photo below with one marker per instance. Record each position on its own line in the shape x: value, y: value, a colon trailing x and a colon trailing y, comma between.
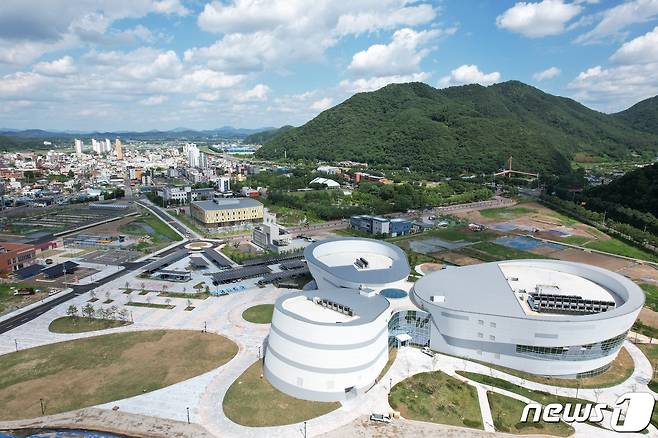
x: 304, y: 429
x: 43, y: 410
x: 188, y: 415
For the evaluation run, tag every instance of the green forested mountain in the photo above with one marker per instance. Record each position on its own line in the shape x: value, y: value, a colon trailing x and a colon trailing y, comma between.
x: 460, y: 129
x: 637, y: 189
x: 642, y: 116
x: 262, y: 137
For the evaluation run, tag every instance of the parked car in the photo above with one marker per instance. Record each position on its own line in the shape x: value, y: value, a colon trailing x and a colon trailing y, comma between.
x: 49, y: 261
x: 427, y: 351
x: 382, y: 418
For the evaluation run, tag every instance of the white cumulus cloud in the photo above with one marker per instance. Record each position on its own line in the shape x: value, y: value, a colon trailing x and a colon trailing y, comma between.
x: 322, y: 104
x: 533, y: 20
x: 549, y: 73
x: 614, y: 20
x: 468, y: 74
x: 375, y: 83
x: 154, y: 100
x: 641, y: 50
x: 401, y: 56
x: 59, y: 67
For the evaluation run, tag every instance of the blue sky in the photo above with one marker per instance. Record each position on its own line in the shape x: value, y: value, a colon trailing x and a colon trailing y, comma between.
x: 161, y: 64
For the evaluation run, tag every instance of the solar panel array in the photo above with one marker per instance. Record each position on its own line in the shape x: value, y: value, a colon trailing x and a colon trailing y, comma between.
x: 29, y: 271
x: 272, y: 260
x: 198, y: 262
x: 283, y: 275
x: 240, y: 273
x: 293, y: 264
x: 165, y: 261
x: 217, y: 258
x: 58, y: 270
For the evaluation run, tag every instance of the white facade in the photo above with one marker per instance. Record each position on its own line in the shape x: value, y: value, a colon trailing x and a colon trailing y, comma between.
x: 319, y: 351
x: 335, y: 263
x: 78, y: 147
x: 224, y: 184
x: 478, y: 312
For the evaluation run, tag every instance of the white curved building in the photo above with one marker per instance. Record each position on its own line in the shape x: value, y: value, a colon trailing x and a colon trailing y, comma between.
x: 544, y: 317
x: 327, y: 345
x: 357, y: 263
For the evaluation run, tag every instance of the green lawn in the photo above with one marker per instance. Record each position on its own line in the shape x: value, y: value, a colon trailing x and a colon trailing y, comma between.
x: 506, y: 413
x: 77, y: 324
x: 252, y: 401
x: 651, y: 293
x: 456, y: 234
x: 151, y: 305
x: 160, y: 227
x: 615, y: 246
x: 620, y: 370
x: 438, y: 398
x: 189, y: 296
x: 100, y: 369
x: 506, y: 212
x: 644, y: 329
x: 540, y: 397
x: 651, y: 352
x: 490, y: 252
x: 260, y: 314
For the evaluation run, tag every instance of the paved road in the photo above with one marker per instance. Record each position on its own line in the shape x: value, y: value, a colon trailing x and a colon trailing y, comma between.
x: 34, y: 312
x: 171, y: 220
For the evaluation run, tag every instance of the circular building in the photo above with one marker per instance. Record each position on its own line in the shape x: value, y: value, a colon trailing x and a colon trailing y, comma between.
x: 357, y: 264
x: 328, y: 344
x: 544, y: 317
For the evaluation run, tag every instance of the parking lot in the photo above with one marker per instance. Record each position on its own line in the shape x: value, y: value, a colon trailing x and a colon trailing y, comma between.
x: 111, y: 257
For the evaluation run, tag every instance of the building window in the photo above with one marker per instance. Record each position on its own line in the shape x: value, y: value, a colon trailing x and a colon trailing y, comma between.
x: 492, y: 338
x: 480, y: 335
x: 492, y: 324
x: 480, y: 322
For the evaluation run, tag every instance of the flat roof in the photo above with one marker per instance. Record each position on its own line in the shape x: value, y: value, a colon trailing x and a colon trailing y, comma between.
x: 366, y: 309
x: 484, y: 288
x: 387, y: 263
x: 532, y: 279
x: 227, y: 203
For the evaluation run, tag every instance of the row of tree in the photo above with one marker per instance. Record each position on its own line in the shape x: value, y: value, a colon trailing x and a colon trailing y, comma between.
x: 88, y: 311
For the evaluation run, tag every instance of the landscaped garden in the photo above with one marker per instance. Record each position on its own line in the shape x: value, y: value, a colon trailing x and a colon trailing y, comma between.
x: 252, y: 401
x: 86, y: 372
x: 506, y: 413
x: 260, y: 314
x: 438, y: 398
x: 77, y: 324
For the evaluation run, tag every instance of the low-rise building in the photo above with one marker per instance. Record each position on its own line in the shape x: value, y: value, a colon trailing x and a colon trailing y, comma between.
x: 381, y: 225
x: 225, y: 212
x: 14, y: 256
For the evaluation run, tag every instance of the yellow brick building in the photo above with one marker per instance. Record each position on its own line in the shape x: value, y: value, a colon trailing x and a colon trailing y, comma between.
x: 226, y: 212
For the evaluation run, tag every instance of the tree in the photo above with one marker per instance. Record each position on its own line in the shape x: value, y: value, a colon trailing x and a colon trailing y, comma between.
x: 123, y: 314
x: 88, y: 311
x: 72, y: 311
x: 92, y: 294
x: 167, y: 301
x: 189, y: 303
x: 107, y: 296
x: 112, y: 311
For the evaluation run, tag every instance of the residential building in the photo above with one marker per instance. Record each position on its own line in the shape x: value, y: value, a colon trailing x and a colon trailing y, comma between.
x: 118, y: 152
x: 78, y: 147
x: 224, y: 184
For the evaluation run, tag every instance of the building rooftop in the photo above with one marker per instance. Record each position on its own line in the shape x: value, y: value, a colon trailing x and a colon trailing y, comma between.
x: 501, y: 288
x: 227, y: 203
x: 344, y: 306
x: 344, y: 258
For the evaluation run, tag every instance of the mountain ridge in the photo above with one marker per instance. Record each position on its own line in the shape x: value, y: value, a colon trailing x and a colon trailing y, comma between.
x: 462, y: 129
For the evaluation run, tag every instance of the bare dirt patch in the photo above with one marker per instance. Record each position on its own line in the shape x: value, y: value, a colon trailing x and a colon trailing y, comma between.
x: 457, y: 259
x: 110, y: 228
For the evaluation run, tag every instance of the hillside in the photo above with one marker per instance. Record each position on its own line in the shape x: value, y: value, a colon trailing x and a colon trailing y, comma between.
x: 637, y: 189
x: 262, y: 137
x: 642, y: 116
x: 460, y: 129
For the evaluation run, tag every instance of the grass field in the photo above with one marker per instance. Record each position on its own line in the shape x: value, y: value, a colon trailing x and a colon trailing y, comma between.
x: 506, y: 213
x: 437, y: 398
x: 644, y: 329
x: 160, y: 235
x: 615, y: 246
x: 620, y: 370
x: 252, y: 401
x: 151, y: 305
x: 76, y: 324
x: 540, y: 397
x: 506, y: 413
x: 85, y: 372
x: 651, y: 352
x: 260, y: 314
x: 651, y: 293
x: 491, y: 252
